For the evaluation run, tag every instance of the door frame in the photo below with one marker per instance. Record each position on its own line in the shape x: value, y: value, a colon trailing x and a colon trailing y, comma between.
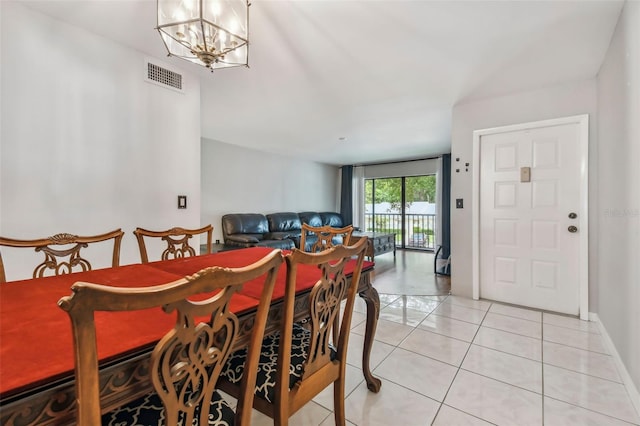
x: 583, y: 128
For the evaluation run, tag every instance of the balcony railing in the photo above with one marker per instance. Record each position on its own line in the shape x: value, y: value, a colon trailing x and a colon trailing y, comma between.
x: 420, y: 229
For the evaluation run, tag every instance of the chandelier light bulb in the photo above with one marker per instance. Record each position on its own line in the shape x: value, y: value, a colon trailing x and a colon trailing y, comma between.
x: 189, y: 4
x: 215, y: 8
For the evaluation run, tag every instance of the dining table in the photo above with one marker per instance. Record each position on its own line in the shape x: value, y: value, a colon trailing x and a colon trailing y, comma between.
x: 36, y: 344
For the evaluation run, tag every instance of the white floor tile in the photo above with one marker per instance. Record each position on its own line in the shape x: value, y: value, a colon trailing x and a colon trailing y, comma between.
x: 402, y: 315
x: 436, y: 298
x: 417, y: 303
x: 354, y: 354
x: 360, y: 305
x: 513, y: 311
x: 449, y: 327
x: 494, y: 401
x: 388, y: 332
x: 511, y: 369
x: 577, y: 339
x: 569, y: 322
x: 386, y: 299
x: 580, y: 360
x: 330, y: 421
x: 354, y: 378
x: 310, y: 414
x: 393, y: 405
x: 448, y: 416
x: 589, y: 392
x: 513, y: 325
x: 436, y: 346
x: 482, y: 305
x: 511, y: 343
x: 461, y: 313
x: 357, y: 318
x: 496, y: 380
x: 417, y: 372
x: 558, y: 413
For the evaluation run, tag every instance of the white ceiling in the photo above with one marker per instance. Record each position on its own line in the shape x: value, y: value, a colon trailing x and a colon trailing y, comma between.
x: 382, y: 74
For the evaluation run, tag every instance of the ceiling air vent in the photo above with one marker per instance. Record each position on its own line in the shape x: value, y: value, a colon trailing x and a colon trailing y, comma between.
x: 164, y: 77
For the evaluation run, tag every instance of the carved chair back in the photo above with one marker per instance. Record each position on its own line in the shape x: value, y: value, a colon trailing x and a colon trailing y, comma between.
x: 186, y: 362
x: 301, y: 360
x: 324, y: 237
x: 328, y: 326
x: 177, y: 240
x: 62, y: 252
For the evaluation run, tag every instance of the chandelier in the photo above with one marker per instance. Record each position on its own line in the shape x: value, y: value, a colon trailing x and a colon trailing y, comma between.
x: 213, y: 33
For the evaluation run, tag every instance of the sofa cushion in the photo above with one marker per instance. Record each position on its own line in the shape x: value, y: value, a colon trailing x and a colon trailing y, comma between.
x: 149, y: 410
x: 332, y: 219
x: 283, y: 222
x: 308, y: 242
x: 245, y: 223
x: 310, y: 218
x: 278, y: 235
x: 267, y: 366
x: 245, y: 238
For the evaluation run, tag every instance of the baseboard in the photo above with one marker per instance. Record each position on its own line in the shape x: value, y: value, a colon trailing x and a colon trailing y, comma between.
x: 622, y: 369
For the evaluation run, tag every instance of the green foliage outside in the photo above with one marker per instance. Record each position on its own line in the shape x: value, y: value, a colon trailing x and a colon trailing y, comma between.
x: 389, y: 190
x: 418, y: 188
x: 419, y: 230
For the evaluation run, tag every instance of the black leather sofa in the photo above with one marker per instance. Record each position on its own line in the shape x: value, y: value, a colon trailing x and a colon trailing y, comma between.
x: 278, y: 230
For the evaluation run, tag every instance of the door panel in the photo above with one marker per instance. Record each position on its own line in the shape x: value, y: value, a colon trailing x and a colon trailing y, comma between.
x: 527, y: 255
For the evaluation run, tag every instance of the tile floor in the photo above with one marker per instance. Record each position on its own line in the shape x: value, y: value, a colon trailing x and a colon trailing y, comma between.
x: 447, y: 360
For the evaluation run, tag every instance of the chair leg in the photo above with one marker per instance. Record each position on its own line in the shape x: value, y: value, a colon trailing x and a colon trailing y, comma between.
x: 280, y: 415
x: 338, y: 401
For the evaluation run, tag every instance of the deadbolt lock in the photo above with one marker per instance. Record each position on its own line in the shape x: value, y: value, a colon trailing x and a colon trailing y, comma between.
x: 572, y: 215
x: 572, y: 229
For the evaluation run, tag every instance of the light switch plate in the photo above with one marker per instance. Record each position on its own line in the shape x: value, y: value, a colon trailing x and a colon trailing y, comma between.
x: 182, y: 201
x: 525, y: 174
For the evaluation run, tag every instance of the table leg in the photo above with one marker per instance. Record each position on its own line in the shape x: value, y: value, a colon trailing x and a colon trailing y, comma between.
x: 370, y: 296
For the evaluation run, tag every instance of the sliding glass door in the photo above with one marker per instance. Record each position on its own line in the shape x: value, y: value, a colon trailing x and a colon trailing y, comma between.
x: 404, y: 206
x: 383, y: 206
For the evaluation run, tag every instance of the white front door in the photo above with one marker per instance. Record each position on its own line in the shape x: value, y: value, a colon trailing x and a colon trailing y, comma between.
x: 531, y: 212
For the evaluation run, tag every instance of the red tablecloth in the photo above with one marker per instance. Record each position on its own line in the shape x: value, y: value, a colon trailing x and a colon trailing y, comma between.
x: 35, y: 334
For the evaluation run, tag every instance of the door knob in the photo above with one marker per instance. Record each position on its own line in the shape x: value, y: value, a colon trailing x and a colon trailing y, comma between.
x: 572, y: 229
x: 572, y: 215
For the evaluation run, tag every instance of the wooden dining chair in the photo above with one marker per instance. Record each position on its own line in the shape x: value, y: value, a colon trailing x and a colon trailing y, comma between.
x: 177, y: 240
x: 301, y: 360
x: 315, y: 239
x: 62, y: 252
x: 186, y: 362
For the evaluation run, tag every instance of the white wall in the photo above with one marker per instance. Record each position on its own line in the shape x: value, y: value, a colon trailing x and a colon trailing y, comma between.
x: 553, y: 102
x: 613, y: 104
x: 618, y: 187
x: 86, y: 145
x: 242, y: 180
